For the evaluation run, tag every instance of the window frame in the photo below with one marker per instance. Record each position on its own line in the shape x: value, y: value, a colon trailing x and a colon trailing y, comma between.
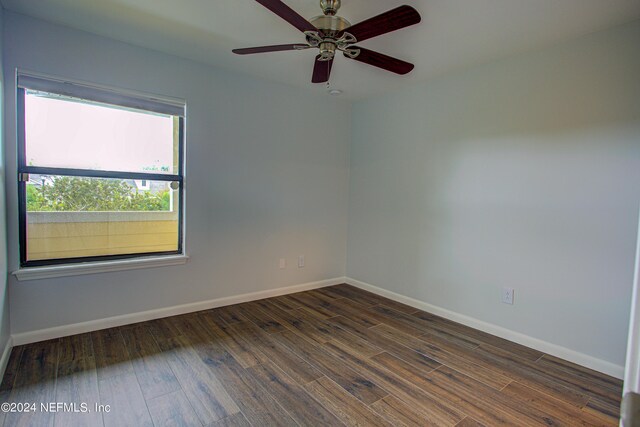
x: 110, y: 97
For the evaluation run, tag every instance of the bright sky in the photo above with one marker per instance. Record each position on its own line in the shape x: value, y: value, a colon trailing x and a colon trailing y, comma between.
x: 84, y: 136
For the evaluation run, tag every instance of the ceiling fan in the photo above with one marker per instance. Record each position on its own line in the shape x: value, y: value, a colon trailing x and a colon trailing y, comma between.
x: 330, y: 33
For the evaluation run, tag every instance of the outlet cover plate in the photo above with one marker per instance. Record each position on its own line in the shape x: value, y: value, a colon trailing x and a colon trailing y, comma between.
x: 507, y: 295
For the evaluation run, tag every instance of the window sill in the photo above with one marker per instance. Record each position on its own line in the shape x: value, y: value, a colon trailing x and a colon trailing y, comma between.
x: 36, y: 273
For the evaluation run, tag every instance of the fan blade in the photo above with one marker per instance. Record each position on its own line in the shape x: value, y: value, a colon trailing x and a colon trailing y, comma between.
x: 321, y: 71
x: 276, y: 48
x: 387, y: 22
x: 379, y: 60
x: 288, y: 14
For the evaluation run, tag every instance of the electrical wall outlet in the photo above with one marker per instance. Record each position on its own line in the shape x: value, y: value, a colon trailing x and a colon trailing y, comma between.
x: 300, y: 261
x: 282, y: 263
x: 507, y: 295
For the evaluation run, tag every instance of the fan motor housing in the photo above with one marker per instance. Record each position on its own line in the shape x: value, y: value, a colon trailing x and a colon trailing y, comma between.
x: 330, y: 25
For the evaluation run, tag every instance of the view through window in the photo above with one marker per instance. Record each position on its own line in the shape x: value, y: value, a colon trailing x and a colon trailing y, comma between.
x: 97, y: 181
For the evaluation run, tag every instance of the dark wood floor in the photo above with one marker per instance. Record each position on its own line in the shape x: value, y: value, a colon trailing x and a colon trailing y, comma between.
x: 332, y: 356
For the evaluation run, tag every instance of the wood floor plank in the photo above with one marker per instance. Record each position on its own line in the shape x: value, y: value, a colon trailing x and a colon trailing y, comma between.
x: 75, y: 347
x: 277, y: 311
x: 190, y: 326
x: 604, y: 395
x: 243, y: 353
x: 483, y: 337
x: 484, y: 403
x: 566, y: 413
x: 598, y: 384
x: 469, y: 422
x: 341, y: 307
x: 439, y: 411
x: 153, y: 372
x: 35, y: 383
x: 126, y: 409
x: 228, y: 315
x: 196, y: 330
x: 390, y: 346
x: 607, y: 412
x: 162, y: 330
x: 263, y: 320
x: 359, y: 386
x: 420, y: 323
x: 321, y: 331
x: 398, y: 306
x: 237, y: 420
x: 353, y: 311
x: 401, y: 321
x: 13, y: 364
x: 330, y: 292
x: 472, y: 397
x: 316, y: 293
x: 299, y: 321
x: 511, y: 366
x: 398, y: 413
x: 11, y: 370
x: 284, y: 302
x: 255, y: 402
x: 355, y: 294
x: 491, y: 378
x: 172, y: 410
x: 328, y: 331
x: 273, y: 350
x: 77, y: 383
x: 347, y: 408
x: 111, y: 353
x: 530, y: 374
x: 38, y: 362
x: 440, y: 335
x: 313, y: 304
x: 357, y: 344
x: 203, y: 389
x: 293, y: 398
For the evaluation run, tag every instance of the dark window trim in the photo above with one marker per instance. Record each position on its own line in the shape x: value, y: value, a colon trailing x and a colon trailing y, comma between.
x: 90, y: 173
x: 22, y: 199
x: 22, y: 185
x: 180, y: 183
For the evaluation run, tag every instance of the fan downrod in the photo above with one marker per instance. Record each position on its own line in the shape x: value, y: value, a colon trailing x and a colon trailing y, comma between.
x: 330, y: 7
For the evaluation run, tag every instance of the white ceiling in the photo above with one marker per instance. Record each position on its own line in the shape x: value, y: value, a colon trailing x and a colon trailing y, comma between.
x: 453, y: 34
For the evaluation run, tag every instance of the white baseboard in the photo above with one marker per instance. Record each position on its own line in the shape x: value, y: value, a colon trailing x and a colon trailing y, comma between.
x: 110, y: 322
x: 5, y: 356
x: 535, y: 343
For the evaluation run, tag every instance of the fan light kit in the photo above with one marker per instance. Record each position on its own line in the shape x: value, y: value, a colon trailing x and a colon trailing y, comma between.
x: 330, y: 33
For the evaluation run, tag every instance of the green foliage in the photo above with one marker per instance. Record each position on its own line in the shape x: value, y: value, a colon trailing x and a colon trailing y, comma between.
x: 165, y: 200
x: 74, y: 194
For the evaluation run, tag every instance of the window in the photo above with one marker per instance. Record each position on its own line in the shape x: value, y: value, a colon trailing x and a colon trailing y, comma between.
x: 100, y: 174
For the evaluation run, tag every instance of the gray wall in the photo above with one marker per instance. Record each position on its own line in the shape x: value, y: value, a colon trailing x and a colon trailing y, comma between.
x: 4, y: 294
x: 522, y: 173
x: 263, y: 181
